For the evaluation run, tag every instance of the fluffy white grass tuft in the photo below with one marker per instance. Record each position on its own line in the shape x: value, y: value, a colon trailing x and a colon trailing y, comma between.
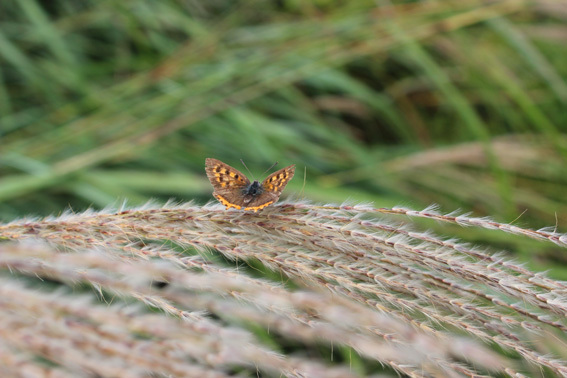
x: 362, y: 279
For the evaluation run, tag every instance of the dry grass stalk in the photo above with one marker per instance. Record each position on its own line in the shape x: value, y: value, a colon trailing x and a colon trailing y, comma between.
x: 421, y: 304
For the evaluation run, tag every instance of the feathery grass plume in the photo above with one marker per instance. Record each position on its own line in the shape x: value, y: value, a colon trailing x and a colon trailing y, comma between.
x: 423, y: 305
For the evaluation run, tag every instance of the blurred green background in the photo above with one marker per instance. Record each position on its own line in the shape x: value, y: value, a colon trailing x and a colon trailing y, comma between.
x: 457, y: 103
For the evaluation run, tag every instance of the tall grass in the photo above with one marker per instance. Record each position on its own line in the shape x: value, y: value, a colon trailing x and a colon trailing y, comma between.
x: 460, y: 104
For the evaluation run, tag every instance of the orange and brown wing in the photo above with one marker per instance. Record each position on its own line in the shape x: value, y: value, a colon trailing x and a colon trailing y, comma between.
x: 273, y: 186
x: 276, y: 182
x: 228, y: 183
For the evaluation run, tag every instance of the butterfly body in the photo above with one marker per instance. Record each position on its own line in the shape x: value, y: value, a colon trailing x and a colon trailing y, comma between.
x: 253, y: 189
x: 233, y: 189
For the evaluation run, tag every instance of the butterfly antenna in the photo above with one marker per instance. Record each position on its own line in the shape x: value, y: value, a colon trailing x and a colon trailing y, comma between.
x: 251, y: 175
x: 267, y: 170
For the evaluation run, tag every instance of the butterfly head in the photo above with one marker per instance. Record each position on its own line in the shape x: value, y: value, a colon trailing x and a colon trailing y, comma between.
x: 253, y: 189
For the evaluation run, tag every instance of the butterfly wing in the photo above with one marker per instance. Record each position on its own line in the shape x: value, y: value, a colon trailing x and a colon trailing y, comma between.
x: 272, y: 187
x: 228, y: 183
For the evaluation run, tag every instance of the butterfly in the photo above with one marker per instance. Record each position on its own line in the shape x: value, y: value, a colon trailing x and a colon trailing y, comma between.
x: 233, y: 189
